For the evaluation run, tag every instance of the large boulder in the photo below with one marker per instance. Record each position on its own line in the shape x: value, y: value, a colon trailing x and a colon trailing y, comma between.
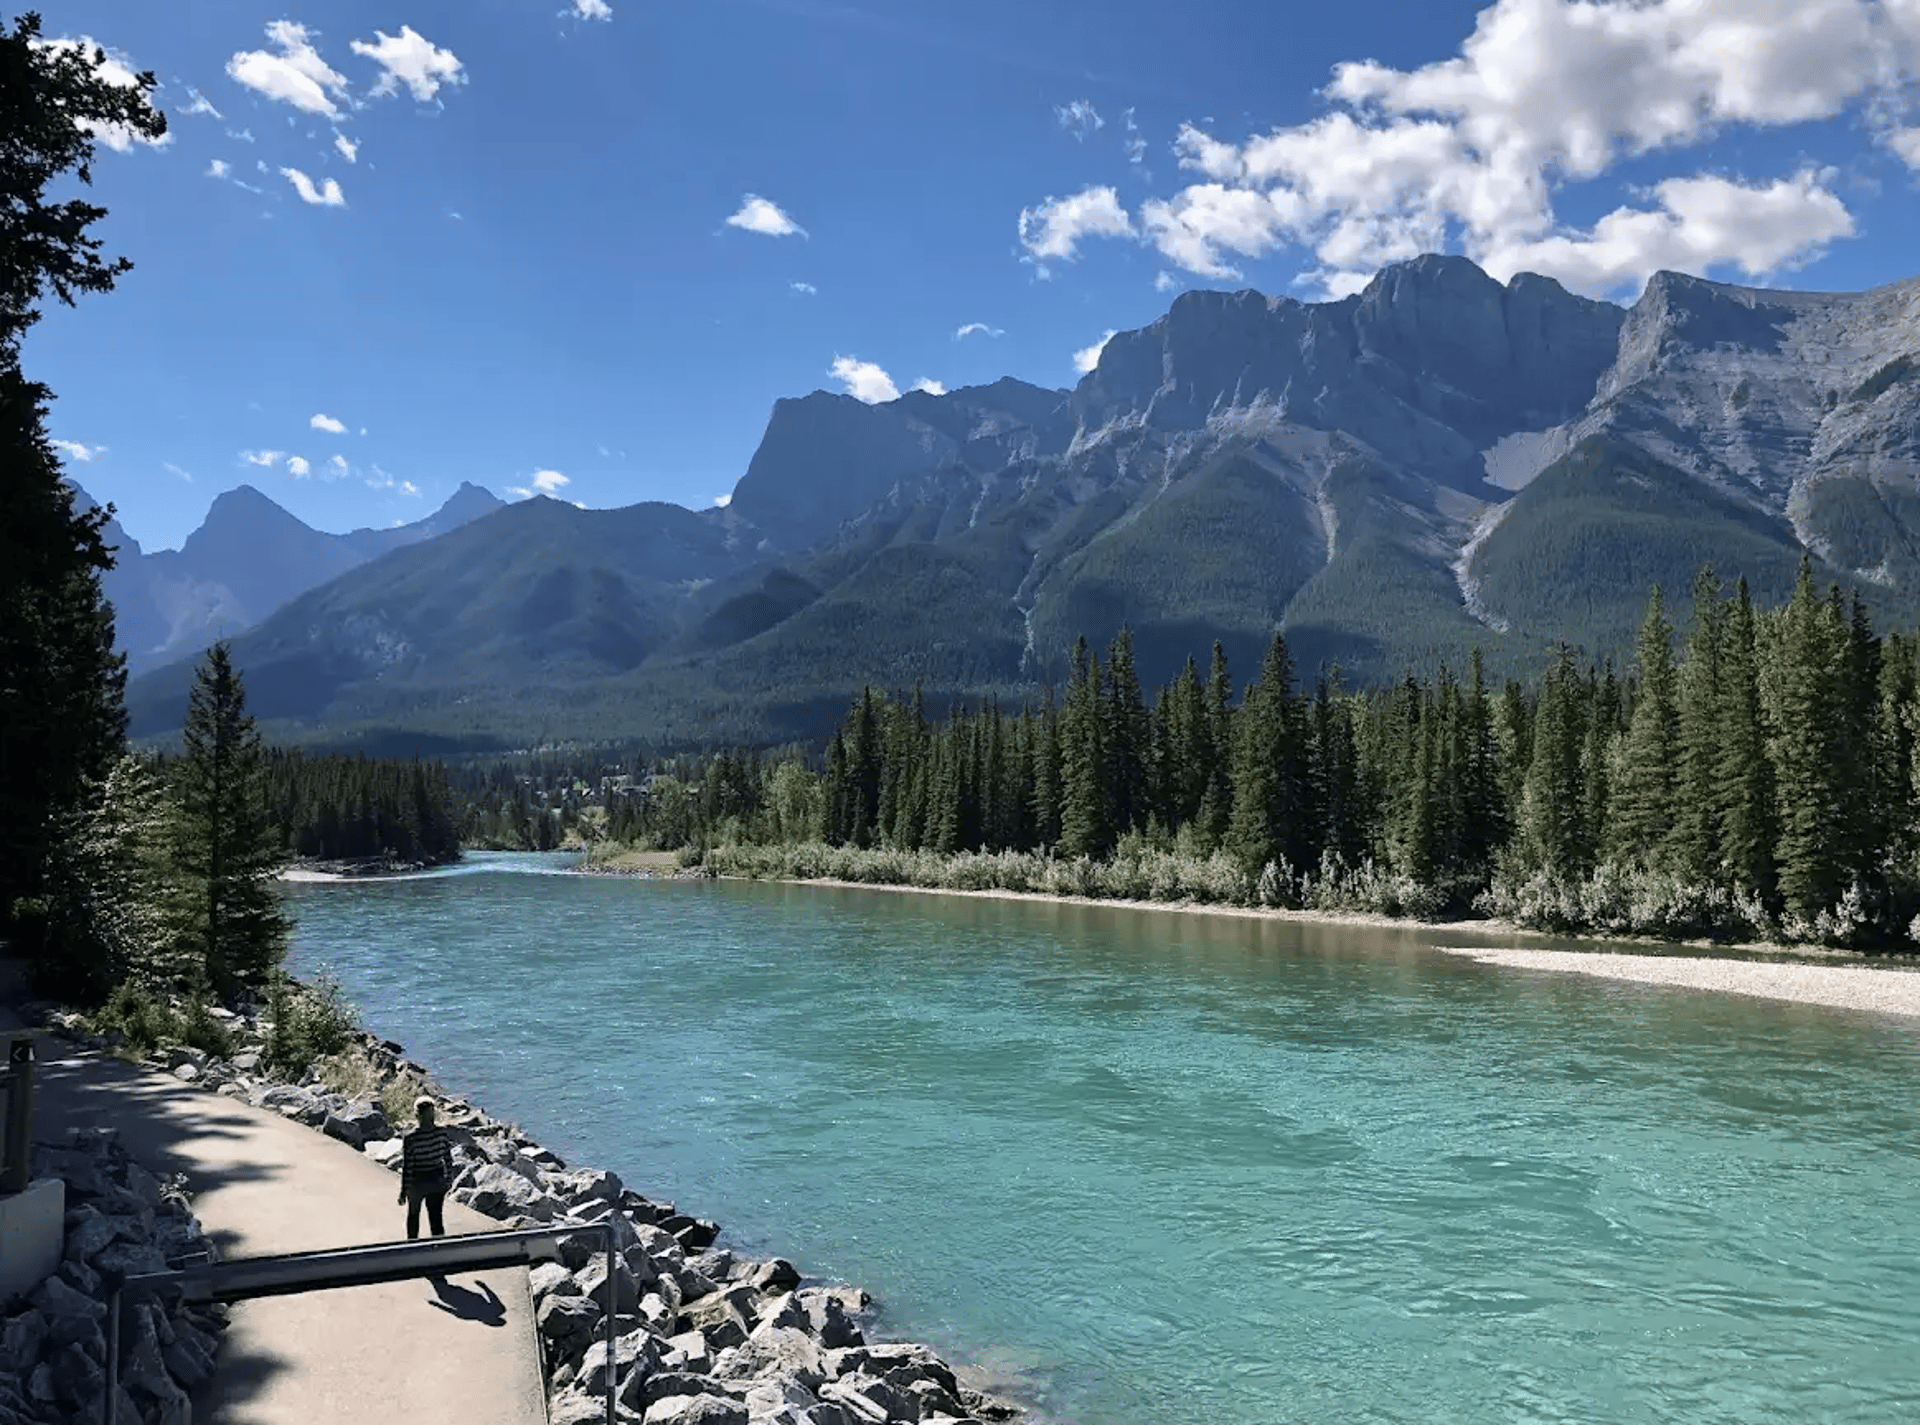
x: 579, y: 1185
x: 697, y: 1410
x: 774, y: 1350
x: 368, y: 1119
x: 387, y: 1152
x: 621, y: 1295
x: 548, y: 1278
x: 334, y: 1126
x: 828, y: 1318
x: 500, y: 1192
x: 720, y: 1316
x: 777, y: 1275
x: 566, y: 1320
x: 870, y: 1399
x: 636, y: 1350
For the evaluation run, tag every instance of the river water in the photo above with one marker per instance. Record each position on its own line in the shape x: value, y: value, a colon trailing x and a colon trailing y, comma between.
x: 1150, y: 1167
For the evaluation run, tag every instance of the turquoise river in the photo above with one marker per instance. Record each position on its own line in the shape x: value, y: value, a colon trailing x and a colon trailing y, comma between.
x: 1141, y: 1166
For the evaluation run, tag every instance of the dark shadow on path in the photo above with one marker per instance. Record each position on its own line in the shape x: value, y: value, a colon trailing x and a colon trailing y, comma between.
x: 469, y: 1305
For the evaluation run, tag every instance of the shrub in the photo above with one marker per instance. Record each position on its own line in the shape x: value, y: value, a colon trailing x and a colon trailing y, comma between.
x: 200, y: 1029
x: 309, y: 1022
x: 143, y: 1021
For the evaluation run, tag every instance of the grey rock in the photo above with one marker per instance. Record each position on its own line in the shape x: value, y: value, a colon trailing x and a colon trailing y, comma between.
x: 385, y: 1151
x: 22, y: 1340
x: 828, y: 1317
x: 570, y: 1407
x: 643, y: 1391
x: 187, y: 1073
x: 144, y: 1186
x: 688, y: 1352
x: 623, y: 1295
x: 636, y: 1350
x: 368, y: 1119
x: 566, y: 1318
x: 716, y: 1264
x: 335, y: 1126
x: 776, y: 1350
x: 498, y: 1191
x: 126, y: 1258
x: 579, y: 1184
x: 80, y: 1276
x: 869, y: 1398
x: 696, y: 1410
x: 720, y: 1316
x: 547, y: 1278
x: 41, y: 1386
x: 247, y: 1061
x: 56, y: 1300
x: 777, y: 1275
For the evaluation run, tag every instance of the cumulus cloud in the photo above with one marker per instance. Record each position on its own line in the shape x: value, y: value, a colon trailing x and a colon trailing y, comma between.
x: 544, y: 482
x: 1471, y: 151
x: 592, y: 10
x: 1165, y: 281
x: 759, y: 215
x: 1055, y: 227
x: 326, y: 196
x: 930, y: 386
x: 328, y: 423
x: 805, y: 289
x: 1088, y: 357
x: 336, y: 466
x: 261, y: 457
x: 197, y: 104
x: 299, y: 466
x: 114, y: 68
x: 349, y: 150
x: 1906, y: 143
x: 1079, y: 118
x: 410, y: 59
x: 77, y: 450
x: 977, y: 328
x: 218, y: 168
x: 864, y: 380
x: 296, y: 75
x: 722, y: 501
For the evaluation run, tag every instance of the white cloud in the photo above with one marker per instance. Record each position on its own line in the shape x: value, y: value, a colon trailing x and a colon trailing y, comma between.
x: 297, y: 75
x: 1055, y: 227
x: 197, y: 104
x: 410, y: 59
x: 722, y: 501
x: 349, y: 150
x: 1079, y: 118
x: 173, y: 469
x: 1165, y: 281
x: 328, y: 423
x: 298, y: 465
x: 1135, y: 145
x: 759, y: 215
x: 549, y: 482
x: 338, y: 465
x: 261, y: 457
x: 114, y: 68
x: 1469, y: 153
x: 978, y: 327
x: 243, y: 135
x: 407, y: 487
x: 592, y: 10
x: 806, y: 289
x: 1088, y: 357
x: 864, y: 380
x: 77, y: 450
x: 327, y: 196
x: 930, y: 386
x: 218, y: 168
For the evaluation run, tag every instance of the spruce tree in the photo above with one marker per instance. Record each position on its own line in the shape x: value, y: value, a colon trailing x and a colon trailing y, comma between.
x: 1743, y: 801
x: 1086, y: 805
x: 1127, y: 736
x: 1694, y: 841
x: 1268, y: 770
x: 1552, y: 831
x: 1216, y: 802
x: 226, y: 854
x: 1806, y: 747
x: 1641, y: 806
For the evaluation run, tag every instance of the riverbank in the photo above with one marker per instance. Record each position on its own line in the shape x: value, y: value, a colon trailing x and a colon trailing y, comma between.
x: 1801, y: 974
x: 702, y: 1333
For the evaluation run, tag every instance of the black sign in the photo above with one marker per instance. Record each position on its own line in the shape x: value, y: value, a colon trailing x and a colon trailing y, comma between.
x: 21, y: 1052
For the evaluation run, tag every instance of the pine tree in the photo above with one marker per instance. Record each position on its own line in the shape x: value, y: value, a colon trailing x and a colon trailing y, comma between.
x: 1127, y: 736
x: 1808, y: 725
x: 1694, y: 842
x: 1488, y: 823
x: 226, y: 855
x: 62, y: 724
x: 1216, y: 802
x: 1552, y: 833
x: 1086, y: 796
x: 1743, y: 799
x: 1641, y: 807
x: 1268, y: 770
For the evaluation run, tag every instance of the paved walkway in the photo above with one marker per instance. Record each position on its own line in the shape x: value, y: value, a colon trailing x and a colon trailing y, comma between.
x: 462, y: 1354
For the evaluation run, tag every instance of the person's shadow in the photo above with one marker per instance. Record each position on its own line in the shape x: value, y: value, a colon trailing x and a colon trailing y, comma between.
x: 469, y: 1305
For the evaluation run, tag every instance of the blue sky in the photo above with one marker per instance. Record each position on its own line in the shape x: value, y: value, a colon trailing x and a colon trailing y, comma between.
x: 581, y: 246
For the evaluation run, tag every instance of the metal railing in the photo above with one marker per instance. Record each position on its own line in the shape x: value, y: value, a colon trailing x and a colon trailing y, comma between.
x: 16, y: 1127
x: 247, y: 1277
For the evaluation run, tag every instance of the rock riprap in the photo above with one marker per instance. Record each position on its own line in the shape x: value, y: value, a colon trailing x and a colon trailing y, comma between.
x: 702, y: 1336
x: 120, y: 1220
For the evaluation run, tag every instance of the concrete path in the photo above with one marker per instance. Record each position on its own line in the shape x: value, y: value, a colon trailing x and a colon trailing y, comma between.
x: 461, y: 1354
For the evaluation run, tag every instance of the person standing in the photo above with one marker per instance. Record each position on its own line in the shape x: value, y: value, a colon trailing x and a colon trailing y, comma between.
x: 426, y: 1170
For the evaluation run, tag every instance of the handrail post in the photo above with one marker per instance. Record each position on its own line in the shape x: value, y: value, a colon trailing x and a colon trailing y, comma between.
x: 613, y: 1304
x: 113, y: 1356
x: 19, y: 1124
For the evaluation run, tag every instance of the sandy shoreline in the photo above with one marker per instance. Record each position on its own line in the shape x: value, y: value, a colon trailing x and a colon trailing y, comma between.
x: 1877, y: 988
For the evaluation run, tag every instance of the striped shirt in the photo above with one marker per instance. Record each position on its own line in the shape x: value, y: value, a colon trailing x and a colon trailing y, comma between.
x: 426, y: 1160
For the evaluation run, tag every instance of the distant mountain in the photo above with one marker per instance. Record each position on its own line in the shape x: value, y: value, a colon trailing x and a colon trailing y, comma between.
x: 245, y: 560
x: 1438, y: 463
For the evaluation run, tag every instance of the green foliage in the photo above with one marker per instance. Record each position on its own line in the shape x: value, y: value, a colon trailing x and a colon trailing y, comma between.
x: 226, y: 851
x: 309, y: 1022
x: 361, y: 809
x: 62, y: 719
x: 201, y: 1030
x: 141, y: 1017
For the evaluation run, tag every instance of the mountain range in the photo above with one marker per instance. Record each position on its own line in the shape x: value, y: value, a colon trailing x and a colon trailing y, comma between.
x: 1439, y: 463
x: 244, y: 561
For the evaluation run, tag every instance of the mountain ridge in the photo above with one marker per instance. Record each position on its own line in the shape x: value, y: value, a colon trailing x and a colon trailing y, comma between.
x: 1439, y: 462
